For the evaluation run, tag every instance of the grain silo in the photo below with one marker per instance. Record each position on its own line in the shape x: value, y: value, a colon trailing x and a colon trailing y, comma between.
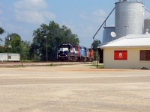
x: 129, y: 17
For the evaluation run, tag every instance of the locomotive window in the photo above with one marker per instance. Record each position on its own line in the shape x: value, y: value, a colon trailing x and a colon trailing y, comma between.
x: 64, y: 46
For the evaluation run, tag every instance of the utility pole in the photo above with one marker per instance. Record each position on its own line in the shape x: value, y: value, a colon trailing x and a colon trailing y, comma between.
x: 46, y: 49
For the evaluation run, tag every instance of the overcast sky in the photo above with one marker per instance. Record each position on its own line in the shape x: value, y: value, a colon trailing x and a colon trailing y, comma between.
x: 83, y: 17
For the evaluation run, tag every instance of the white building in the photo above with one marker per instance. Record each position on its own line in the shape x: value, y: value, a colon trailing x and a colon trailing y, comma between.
x: 9, y: 57
x: 131, y: 47
x: 131, y: 51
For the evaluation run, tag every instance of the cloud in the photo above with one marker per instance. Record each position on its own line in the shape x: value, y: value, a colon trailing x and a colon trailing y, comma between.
x: 33, y: 11
x: 11, y: 27
x: 49, y: 15
x: 26, y: 34
x: 99, y: 13
x: 97, y: 16
x: 84, y: 30
x: 30, y: 16
x: 31, y: 4
x: 84, y: 15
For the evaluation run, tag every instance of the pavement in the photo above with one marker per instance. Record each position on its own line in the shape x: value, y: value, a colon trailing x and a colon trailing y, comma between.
x: 73, y: 88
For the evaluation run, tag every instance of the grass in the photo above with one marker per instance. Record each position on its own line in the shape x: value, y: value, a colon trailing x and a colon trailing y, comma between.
x: 52, y: 64
x: 14, y: 66
x: 98, y: 65
x: 29, y: 61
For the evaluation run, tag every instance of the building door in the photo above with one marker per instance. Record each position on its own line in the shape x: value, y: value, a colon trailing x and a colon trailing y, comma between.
x: 101, y: 55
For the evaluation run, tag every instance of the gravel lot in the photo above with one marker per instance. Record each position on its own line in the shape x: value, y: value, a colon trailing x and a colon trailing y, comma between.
x: 74, y: 88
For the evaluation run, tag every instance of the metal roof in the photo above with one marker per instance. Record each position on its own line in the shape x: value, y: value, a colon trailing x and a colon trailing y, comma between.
x: 129, y: 41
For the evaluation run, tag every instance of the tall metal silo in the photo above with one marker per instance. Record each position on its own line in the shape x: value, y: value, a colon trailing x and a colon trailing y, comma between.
x: 129, y: 17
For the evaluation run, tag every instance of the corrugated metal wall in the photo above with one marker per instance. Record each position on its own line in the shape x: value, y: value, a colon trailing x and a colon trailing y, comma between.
x: 107, y: 34
x: 147, y: 25
x: 129, y: 18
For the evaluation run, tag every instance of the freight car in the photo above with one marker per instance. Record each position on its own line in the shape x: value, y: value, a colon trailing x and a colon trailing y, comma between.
x: 11, y: 57
x: 68, y: 52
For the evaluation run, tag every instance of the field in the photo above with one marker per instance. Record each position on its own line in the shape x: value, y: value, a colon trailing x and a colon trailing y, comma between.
x: 73, y: 88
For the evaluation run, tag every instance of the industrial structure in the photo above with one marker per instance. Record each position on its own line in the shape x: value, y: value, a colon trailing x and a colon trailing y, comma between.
x: 127, y: 45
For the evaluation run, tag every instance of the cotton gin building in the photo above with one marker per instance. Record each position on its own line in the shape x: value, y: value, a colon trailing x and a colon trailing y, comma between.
x: 131, y: 46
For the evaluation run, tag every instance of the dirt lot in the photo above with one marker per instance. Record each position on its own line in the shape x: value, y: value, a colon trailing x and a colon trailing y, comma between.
x: 74, y: 88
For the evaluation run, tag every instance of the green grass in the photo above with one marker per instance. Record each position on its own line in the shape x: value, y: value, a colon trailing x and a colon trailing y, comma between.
x: 52, y: 64
x: 14, y: 66
x: 98, y: 65
x: 29, y: 61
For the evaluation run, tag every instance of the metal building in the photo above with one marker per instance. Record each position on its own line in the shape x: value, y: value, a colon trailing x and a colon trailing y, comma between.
x: 147, y: 26
x: 129, y: 17
x: 107, y: 34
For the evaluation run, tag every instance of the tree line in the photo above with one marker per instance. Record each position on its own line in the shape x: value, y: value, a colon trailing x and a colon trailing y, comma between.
x: 44, y: 46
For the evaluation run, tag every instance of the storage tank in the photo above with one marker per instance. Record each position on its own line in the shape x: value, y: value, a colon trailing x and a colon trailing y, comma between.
x: 147, y: 25
x: 129, y: 17
x: 107, y: 34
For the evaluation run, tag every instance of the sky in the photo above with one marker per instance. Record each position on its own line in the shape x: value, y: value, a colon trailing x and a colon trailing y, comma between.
x: 83, y: 17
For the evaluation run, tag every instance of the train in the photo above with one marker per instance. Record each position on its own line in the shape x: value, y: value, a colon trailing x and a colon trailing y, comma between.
x: 75, y: 53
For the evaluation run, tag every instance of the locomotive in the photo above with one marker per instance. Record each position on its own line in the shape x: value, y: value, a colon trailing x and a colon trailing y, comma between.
x: 68, y: 52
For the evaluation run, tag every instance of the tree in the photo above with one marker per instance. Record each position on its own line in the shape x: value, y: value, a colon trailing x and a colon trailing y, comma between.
x: 94, y: 46
x: 1, y: 32
x: 14, y: 44
x: 49, y: 37
x: 26, y: 48
x: 13, y: 41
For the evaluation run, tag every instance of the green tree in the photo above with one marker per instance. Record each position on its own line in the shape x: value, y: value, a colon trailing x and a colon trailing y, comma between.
x: 26, y: 48
x: 14, y: 44
x: 13, y: 41
x: 94, y: 46
x: 3, y: 49
x: 50, y: 37
x: 1, y: 32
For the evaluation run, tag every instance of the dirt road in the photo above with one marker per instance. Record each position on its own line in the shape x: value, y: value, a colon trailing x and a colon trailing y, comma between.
x: 74, y: 88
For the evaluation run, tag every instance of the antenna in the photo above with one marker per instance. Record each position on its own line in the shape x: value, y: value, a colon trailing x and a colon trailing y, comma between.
x: 113, y: 34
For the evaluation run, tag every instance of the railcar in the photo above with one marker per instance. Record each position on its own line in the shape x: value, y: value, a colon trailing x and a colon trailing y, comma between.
x: 68, y: 52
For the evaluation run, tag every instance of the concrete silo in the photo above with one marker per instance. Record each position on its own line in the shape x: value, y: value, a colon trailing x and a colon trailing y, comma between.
x: 129, y: 17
